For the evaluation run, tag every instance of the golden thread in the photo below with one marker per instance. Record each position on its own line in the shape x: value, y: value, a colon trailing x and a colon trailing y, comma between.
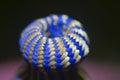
x: 52, y: 52
x: 72, y: 46
x: 28, y: 40
x: 40, y: 53
x: 32, y: 48
x: 43, y: 22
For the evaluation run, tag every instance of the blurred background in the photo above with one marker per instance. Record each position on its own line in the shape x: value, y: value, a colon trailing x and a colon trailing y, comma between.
x: 101, y: 18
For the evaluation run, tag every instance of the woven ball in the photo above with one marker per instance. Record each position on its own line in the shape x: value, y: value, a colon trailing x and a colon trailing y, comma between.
x: 54, y: 42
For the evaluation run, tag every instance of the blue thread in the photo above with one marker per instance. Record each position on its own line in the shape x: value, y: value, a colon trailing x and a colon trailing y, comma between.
x: 55, y: 29
x: 71, y: 55
x: 77, y: 45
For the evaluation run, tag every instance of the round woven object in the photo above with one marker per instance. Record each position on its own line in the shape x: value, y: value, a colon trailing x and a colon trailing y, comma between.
x: 54, y: 42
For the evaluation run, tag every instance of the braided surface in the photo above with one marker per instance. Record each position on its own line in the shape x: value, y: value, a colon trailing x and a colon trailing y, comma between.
x: 54, y: 42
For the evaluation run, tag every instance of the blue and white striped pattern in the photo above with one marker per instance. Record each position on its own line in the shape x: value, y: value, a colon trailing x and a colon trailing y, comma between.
x: 54, y: 42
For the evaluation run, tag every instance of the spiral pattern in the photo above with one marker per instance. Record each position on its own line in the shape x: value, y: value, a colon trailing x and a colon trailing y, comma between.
x: 54, y: 42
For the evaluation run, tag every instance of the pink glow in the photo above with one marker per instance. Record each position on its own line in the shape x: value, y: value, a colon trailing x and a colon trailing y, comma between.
x: 95, y: 70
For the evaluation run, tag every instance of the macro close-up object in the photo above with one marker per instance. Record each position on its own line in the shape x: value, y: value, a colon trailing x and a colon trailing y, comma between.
x: 59, y: 40
x: 55, y: 43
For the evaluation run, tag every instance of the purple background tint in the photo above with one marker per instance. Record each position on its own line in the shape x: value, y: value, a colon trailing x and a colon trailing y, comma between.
x: 96, y: 70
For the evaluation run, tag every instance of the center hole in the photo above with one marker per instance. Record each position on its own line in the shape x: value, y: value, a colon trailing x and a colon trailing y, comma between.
x: 56, y: 31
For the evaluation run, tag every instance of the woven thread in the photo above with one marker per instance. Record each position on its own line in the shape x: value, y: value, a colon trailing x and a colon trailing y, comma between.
x: 54, y: 42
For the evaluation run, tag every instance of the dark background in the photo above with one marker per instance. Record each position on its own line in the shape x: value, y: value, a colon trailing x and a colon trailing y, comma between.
x: 100, y: 18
